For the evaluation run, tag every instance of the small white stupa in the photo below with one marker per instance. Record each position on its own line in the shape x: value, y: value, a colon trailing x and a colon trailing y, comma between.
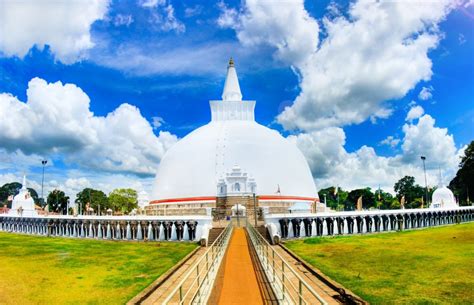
x: 143, y: 199
x: 23, y: 204
x: 443, y: 197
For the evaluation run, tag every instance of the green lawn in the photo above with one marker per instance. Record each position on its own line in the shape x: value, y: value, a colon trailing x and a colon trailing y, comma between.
x: 429, y: 266
x: 41, y: 270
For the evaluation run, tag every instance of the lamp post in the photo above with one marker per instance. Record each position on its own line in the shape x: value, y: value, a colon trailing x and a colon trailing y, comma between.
x: 43, y: 162
x: 423, y: 158
x: 255, y: 209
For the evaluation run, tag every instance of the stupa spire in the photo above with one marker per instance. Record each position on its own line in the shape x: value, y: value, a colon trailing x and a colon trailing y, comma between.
x: 231, y: 86
x: 23, y: 186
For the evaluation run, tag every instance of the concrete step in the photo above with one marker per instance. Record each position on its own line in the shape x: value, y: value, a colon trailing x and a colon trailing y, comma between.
x: 213, y: 234
x: 264, y: 232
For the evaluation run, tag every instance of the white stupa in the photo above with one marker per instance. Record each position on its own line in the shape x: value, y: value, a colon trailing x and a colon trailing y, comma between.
x: 143, y: 199
x: 443, y: 197
x: 233, y: 156
x: 23, y: 204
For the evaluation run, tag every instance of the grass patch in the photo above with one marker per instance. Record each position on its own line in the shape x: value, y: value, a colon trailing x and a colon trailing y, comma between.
x: 42, y: 270
x: 429, y: 266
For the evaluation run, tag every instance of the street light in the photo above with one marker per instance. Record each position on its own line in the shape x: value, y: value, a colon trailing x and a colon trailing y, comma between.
x: 423, y: 158
x: 255, y: 209
x: 43, y: 162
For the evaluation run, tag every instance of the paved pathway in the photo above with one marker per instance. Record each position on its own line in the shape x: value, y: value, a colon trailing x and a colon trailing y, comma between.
x: 240, y: 284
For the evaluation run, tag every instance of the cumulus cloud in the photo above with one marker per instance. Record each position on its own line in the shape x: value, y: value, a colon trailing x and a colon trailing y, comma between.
x: 414, y: 113
x: 331, y: 164
x: 287, y: 26
x: 378, y: 52
x: 425, y: 139
x: 63, y: 25
x: 425, y: 93
x: 56, y: 119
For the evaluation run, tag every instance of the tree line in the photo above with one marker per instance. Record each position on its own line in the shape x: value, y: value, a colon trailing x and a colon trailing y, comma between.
x: 124, y: 200
x: 462, y: 186
x: 92, y: 201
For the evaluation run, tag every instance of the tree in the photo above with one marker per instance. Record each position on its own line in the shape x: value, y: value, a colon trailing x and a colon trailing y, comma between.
x: 463, y: 183
x: 57, y: 202
x: 383, y: 200
x: 333, y: 201
x: 368, y: 199
x: 123, y: 200
x: 34, y: 195
x: 328, y: 195
x: 412, y: 192
x: 95, y: 198
x: 9, y: 189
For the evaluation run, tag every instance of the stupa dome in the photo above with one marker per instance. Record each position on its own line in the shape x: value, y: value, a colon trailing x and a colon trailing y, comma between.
x: 443, y: 198
x: 233, y: 155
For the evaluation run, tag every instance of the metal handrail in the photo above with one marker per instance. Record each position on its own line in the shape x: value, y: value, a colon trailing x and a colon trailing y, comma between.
x: 281, y: 275
x: 196, y: 290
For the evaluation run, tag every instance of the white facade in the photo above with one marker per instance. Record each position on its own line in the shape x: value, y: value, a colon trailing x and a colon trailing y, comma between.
x: 232, y: 155
x: 443, y: 198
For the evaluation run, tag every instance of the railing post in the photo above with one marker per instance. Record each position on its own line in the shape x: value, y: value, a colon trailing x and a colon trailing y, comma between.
x: 273, y: 264
x: 283, y: 279
x: 180, y: 293
x: 300, y: 292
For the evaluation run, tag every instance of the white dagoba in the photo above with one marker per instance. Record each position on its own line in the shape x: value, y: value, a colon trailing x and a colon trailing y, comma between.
x: 23, y: 204
x: 233, y: 156
x: 143, y: 199
x: 443, y: 198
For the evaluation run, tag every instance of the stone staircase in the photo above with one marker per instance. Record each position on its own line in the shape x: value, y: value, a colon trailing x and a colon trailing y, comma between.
x: 213, y: 234
x: 264, y: 232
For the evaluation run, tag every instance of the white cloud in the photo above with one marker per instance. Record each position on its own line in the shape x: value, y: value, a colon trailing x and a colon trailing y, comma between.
x: 151, y: 3
x: 424, y: 139
x: 169, y: 22
x: 287, y: 26
x: 212, y: 59
x: 63, y: 25
x: 390, y: 141
x: 120, y: 20
x: 56, y: 119
x: 377, y: 53
x: 157, y: 122
x: 425, y: 93
x: 414, y: 113
x: 193, y: 11
x: 331, y: 164
x: 228, y: 17
x: 162, y: 16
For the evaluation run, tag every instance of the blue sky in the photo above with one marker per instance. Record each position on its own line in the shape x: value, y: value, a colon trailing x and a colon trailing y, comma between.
x: 168, y: 59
